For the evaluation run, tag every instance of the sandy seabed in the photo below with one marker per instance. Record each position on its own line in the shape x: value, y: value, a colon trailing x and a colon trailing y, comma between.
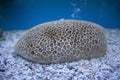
x: 14, y: 67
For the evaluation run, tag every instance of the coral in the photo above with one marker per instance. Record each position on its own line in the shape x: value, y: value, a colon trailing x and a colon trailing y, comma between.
x: 61, y: 41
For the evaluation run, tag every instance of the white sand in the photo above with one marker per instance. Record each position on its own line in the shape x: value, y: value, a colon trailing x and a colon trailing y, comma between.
x: 14, y: 67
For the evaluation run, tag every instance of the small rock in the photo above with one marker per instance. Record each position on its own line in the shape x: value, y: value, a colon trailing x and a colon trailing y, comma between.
x: 1, y: 32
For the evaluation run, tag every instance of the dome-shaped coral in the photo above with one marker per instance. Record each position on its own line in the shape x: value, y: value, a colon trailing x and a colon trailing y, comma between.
x: 60, y: 41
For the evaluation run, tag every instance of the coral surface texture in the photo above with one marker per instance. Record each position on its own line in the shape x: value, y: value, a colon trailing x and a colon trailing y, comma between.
x: 62, y: 41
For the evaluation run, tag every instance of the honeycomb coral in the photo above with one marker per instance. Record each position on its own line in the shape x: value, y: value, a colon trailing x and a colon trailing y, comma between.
x: 61, y: 41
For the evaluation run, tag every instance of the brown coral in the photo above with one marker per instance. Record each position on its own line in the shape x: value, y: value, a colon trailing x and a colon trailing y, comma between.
x: 61, y: 41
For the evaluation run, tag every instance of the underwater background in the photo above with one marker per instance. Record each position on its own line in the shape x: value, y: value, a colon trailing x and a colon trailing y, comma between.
x: 17, y: 16
x: 24, y: 14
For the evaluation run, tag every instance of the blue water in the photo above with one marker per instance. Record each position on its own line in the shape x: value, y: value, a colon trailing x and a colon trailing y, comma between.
x: 24, y: 14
